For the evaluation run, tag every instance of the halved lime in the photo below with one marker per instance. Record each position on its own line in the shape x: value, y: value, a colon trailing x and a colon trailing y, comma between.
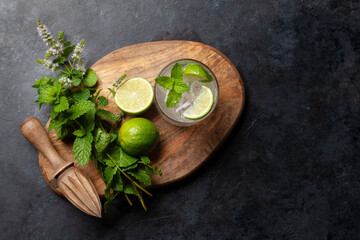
x: 134, y: 96
x: 202, y: 104
x: 195, y: 70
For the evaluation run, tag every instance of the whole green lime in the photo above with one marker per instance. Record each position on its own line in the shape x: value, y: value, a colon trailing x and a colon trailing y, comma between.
x: 138, y: 136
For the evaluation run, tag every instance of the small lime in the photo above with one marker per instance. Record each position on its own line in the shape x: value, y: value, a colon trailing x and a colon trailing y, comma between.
x: 138, y: 136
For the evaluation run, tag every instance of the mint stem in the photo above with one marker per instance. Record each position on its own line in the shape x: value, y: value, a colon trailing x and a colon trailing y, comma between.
x: 67, y: 68
x: 128, y: 199
x: 72, y: 67
x: 140, y: 198
x: 127, y: 176
x: 100, y: 124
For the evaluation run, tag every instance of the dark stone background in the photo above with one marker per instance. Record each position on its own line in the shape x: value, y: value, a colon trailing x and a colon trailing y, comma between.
x: 289, y: 170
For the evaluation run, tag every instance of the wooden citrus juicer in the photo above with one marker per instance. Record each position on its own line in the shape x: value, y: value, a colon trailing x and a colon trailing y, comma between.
x: 73, y: 183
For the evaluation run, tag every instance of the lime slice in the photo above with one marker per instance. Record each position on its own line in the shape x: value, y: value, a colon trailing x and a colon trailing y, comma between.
x: 195, y: 70
x: 134, y: 96
x: 202, y: 104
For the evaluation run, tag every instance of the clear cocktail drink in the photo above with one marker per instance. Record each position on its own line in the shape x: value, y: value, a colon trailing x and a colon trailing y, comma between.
x: 201, y: 91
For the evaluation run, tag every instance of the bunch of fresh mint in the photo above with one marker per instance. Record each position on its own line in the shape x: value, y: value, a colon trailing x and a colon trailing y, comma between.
x: 77, y: 113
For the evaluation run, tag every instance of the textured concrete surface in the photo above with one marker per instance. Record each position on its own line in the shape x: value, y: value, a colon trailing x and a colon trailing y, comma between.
x: 289, y: 170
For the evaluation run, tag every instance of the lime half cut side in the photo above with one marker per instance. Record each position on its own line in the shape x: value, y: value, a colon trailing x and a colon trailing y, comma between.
x: 134, y: 96
x: 202, y: 104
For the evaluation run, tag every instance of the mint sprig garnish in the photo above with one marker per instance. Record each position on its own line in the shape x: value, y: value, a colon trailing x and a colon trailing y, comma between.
x: 175, y: 84
x: 165, y: 82
x: 180, y: 86
x: 176, y: 71
x: 173, y: 98
x: 77, y: 113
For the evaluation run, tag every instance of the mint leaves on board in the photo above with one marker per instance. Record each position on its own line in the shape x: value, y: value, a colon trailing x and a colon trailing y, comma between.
x: 77, y: 114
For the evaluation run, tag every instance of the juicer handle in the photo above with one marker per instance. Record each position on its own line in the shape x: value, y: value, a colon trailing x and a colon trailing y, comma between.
x: 35, y: 133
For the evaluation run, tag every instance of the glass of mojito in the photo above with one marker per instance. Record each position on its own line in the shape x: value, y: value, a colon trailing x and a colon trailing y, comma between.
x: 186, y: 92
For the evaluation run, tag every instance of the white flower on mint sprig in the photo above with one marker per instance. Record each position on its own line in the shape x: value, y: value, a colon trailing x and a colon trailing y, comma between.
x: 56, y: 48
x: 80, y: 66
x: 52, y: 52
x: 48, y: 64
x: 44, y: 33
x: 78, y: 50
x: 76, y: 56
x: 66, y: 82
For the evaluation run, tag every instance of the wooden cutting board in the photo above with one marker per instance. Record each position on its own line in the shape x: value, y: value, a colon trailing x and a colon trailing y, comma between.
x: 181, y: 150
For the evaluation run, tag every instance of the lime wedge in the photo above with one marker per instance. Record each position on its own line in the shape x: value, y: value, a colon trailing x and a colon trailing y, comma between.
x: 202, y: 104
x: 134, y: 96
x: 195, y: 70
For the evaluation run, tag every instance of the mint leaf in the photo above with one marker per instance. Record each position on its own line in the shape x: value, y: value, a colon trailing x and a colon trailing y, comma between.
x: 77, y: 73
x: 60, y: 60
x: 157, y: 170
x: 43, y: 81
x: 129, y: 189
x: 62, y: 131
x: 87, y: 120
x: 62, y: 105
x: 98, y: 158
x: 109, y: 174
x: 153, y: 170
x: 103, y: 101
x: 114, y: 136
x: 180, y: 86
x: 165, y: 82
x: 125, y: 160
x: 53, y: 114
x: 76, y: 81
x: 90, y: 78
x: 176, y: 71
x: 141, y: 175
x: 145, y: 160
x: 114, y: 151
x: 173, y: 98
x: 208, y: 76
x: 112, y: 91
x: 120, y: 79
x: 109, y: 200
x: 150, y: 170
x: 80, y: 108
x: 49, y: 94
x: 79, y: 132
x: 117, y: 182
x: 63, y: 75
x: 130, y: 167
x: 82, y: 149
x: 106, y: 114
x: 108, y: 177
x: 67, y: 43
x: 61, y: 36
x: 102, y: 140
x: 56, y: 123
x: 81, y: 95
x: 67, y: 51
x: 97, y: 94
x: 107, y: 195
x: 109, y: 163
